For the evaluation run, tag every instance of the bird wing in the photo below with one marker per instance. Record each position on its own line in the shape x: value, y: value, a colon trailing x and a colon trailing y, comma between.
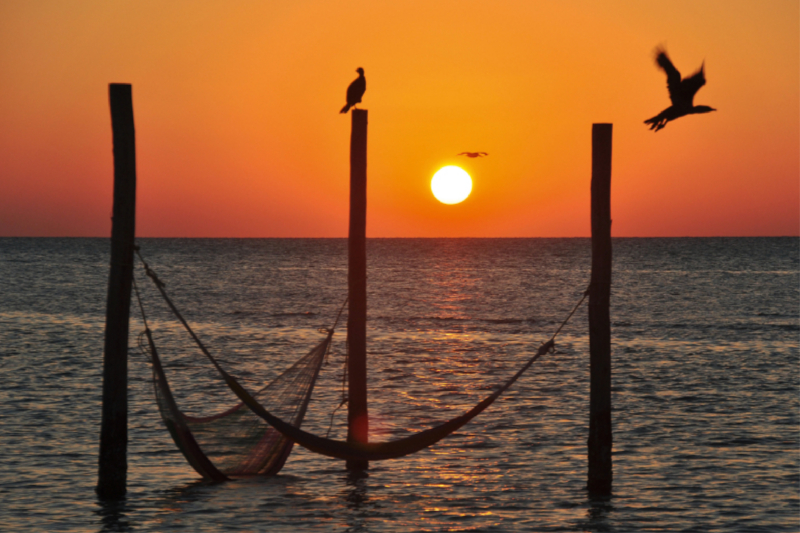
x: 692, y: 84
x: 356, y: 90
x: 673, y: 76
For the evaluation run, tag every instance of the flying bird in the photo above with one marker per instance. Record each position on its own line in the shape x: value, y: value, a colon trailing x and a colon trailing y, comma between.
x: 473, y: 154
x: 355, y: 91
x: 681, y: 93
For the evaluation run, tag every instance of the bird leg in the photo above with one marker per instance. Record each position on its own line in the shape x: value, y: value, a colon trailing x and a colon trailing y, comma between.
x: 657, y: 122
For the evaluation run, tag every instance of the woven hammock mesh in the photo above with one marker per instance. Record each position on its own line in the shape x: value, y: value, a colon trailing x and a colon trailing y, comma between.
x: 237, y: 441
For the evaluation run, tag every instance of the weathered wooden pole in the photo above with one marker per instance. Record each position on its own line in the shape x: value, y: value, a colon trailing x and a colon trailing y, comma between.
x: 357, y: 417
x: 113, y: 468
x: 600, y: 472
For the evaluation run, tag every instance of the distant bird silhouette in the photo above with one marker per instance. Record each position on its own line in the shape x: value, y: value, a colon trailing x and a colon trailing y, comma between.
x: 355, y: 91
x: 681, y: 93
x: 473, y: 154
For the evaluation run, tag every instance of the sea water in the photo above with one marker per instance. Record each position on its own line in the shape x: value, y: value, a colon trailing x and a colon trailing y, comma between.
x: 705, y: 345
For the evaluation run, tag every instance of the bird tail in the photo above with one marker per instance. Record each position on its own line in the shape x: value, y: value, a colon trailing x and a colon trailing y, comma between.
x: 345, y: 109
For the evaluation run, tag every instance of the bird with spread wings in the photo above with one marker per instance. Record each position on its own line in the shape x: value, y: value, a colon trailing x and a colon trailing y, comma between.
x: 681, y: 92
x: 473, y: 154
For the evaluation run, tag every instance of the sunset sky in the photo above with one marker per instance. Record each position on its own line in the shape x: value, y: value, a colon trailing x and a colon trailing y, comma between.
x: 238, y: 131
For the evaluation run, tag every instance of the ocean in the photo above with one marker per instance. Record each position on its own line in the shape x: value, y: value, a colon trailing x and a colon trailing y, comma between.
x: 706, y: 402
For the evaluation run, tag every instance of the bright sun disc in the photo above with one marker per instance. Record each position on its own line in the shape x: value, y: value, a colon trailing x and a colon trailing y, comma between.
x: 451, y: 185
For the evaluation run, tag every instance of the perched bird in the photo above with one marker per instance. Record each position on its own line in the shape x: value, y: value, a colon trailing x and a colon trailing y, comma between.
x: 473, y: 154
x: 355, y: 91
x: 681, y: 92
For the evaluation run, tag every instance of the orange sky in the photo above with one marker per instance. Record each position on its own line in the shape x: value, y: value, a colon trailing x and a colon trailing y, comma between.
x: 238, y: 131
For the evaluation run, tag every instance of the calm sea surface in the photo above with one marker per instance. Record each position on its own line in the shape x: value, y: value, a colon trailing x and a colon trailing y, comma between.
x: 705, y: 349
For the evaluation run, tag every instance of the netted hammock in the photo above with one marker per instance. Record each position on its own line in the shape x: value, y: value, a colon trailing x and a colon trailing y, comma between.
x: 235, y: 442
x: 289, y: 427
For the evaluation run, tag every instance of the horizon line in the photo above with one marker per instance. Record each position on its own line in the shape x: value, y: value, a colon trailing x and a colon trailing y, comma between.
x: 439, y: 237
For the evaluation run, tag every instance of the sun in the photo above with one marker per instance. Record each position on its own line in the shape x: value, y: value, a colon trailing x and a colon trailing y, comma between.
x: 451, y: 185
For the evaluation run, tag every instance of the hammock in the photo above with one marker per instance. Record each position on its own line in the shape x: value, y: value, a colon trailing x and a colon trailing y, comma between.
x: 236, y: 442
x: 350, y: 451
x: 373, y: 451
x: 354, y: 451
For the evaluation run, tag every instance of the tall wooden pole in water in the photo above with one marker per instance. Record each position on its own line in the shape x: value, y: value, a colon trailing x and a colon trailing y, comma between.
x: 600, y: 472
x: 357, y: 417
x: 113, y: 467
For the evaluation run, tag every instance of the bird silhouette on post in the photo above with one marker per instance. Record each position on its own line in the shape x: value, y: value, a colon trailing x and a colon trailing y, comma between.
x: 473, y: 154
x: 355, y: 91
x: 681, y: 93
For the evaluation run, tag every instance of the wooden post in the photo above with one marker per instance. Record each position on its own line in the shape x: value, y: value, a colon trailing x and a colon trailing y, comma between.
x: 600, y: 472
x: 113, y: 467
x: 357, y: 417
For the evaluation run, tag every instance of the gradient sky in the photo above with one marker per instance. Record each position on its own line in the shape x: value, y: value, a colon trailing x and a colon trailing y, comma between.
x: 238, y: 131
